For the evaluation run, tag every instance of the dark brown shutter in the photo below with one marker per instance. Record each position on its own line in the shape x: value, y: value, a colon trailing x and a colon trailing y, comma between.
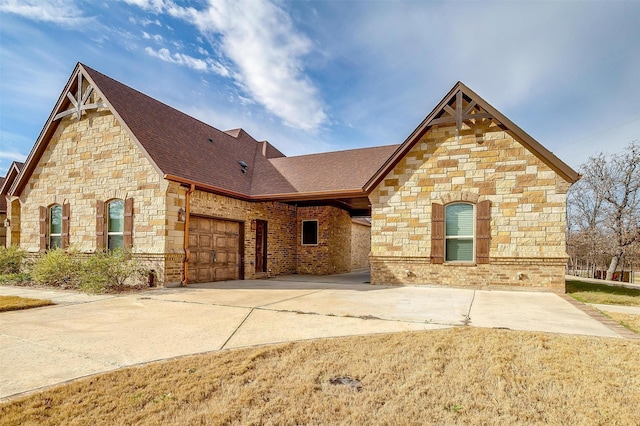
x: 43, y: 228
x: 128, y: 223
x: 483, y: 231
x: 66, y: 209
x: 100, y: 240
x: 437, y: 233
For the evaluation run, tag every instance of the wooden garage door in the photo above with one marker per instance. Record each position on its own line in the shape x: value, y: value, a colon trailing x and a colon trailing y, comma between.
x: 215, y: 250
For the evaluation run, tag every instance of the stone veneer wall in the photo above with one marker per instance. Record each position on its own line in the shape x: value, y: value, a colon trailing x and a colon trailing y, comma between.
x: 528, y: 205
x: 332, y: 254
x: 281, y: 229
x: 95, y: 159
x: 360, y: 246
x: 89, y: 160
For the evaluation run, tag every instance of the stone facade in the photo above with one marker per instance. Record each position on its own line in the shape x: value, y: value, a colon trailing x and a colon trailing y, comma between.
x: 528, y: 206
x: 95, y: 159
x: 87, y: 161
x: 360, y: 245
x: 519, y: 199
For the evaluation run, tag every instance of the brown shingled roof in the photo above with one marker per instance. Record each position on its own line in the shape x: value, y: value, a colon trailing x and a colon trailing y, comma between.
x: 3, y: 198
x: 335, y: 172
x: 179, y: 144
x: 5, y: 183
x: 180, y: 147
x: 187, y: 150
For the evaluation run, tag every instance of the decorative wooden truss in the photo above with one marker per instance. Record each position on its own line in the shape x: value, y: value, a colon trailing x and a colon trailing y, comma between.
x: 79, y: 102
x: 460, y: 109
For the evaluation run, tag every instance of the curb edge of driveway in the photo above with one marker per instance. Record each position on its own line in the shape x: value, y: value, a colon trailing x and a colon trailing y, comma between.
x: 600, y: 317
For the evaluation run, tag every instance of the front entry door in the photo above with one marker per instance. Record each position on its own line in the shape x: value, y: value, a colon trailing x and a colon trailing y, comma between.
x: 261, y: 246
x: 215, y: 250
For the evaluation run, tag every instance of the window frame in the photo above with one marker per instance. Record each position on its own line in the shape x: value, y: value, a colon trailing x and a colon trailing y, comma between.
x: 50, y: 233
x: 472, y: 237
x: 110, y: 233
x: 302, y: 233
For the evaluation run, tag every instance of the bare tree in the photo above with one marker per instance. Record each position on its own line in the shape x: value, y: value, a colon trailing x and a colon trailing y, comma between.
x: 614, y: 184
x: 585, y: 236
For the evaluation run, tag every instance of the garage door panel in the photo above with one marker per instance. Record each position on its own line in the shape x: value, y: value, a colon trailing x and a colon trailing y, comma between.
x: 213, y: 235
x: 204, y: 225
x: 203, y: 258
x: 222, y: 274
x: 204, y: 240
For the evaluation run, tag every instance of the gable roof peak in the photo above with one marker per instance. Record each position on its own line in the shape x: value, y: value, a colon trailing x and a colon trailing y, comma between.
x: 462, y: 106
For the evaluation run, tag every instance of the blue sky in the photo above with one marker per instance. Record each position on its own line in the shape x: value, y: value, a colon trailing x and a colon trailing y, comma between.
x: 313, y: 76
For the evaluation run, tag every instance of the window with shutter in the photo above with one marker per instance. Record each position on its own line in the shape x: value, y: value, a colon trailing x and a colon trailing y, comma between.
x: 437, y: 233
x: 483, y: 231
x: 55, y: 227
x: 115, y: 224
x: 459, y: 232
x: 43, y: 227
x: 127, y: 234
x: 66, y: 211
x: 100, y: 240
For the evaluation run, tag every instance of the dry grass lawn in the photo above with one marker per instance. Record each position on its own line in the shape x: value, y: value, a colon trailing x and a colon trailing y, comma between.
x: 453, y: 376
x: 632, y: 322
x: 14, y: 303
x: 602, y: 294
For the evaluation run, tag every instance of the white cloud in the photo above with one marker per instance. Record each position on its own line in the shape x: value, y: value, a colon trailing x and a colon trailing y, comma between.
x: 61, y: 12
x: 145, y: 22
x: 154, y: 5
x: 12, y: 155
x: 202, y: 65
x: 259, y: 38
x: 147, y: 36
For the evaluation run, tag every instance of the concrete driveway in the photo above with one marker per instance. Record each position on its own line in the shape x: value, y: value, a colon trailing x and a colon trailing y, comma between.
x: 84, y: 335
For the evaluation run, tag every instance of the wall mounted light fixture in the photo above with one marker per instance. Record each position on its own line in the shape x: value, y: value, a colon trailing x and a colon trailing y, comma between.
x: 182, y: 215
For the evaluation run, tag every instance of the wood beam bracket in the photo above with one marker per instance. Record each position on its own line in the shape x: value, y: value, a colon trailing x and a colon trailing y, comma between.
x: 79, y: 102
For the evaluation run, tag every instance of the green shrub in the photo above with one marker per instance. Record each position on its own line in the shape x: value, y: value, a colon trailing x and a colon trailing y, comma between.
x: 22, y: 278
x: 109, y: 272
x: 11, y: 260
x: 57, y: 268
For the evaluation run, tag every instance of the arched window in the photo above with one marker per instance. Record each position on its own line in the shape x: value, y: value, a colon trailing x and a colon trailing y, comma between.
x: 459, y: 233
x: 55, y: 227
x: 115, y: 224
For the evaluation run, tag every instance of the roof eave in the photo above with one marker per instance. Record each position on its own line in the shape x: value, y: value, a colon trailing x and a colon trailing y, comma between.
x: 285, y: 197
x: 207, y: 187
x: 312, y: 195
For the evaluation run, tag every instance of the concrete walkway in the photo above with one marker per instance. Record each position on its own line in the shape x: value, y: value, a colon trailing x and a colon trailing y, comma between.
x: 84, y: 335
x: 629, y: 310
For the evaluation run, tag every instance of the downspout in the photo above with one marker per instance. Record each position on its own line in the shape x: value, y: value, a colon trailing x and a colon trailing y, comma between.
x: 187, y: 253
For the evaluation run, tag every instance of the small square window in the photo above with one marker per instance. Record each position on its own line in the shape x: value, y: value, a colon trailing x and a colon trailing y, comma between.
x: 309, y: 232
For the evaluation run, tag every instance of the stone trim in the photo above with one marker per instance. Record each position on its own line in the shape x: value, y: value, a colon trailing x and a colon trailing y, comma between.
x: 459, y: 196
x: 497, y: 260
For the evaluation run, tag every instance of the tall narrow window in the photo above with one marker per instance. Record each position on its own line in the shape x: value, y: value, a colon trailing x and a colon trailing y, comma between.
x: 115, y: 224
x: 55, y: 227
x: 459, y: 233
x: 309, y: 232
